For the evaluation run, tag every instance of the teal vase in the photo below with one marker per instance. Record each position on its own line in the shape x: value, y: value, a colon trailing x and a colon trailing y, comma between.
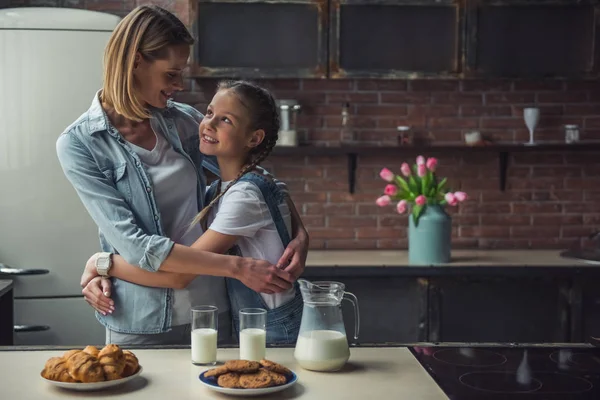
x: 429, y: 242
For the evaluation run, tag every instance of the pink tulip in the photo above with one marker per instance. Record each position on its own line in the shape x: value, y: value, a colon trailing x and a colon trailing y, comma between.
x: 390, y: 190
x: 405, y: 169
x: 431, y: 163
x: 420, y: 160
x: 386, y: 175
x: 421, y: 170
x: 383, y: 201
x: 461, y: 196
x: 421, y: 200
x: 402, y: 206
x: 451, y: 199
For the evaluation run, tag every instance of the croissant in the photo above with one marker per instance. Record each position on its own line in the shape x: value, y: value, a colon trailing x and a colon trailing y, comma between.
x: 112, y: 360
x: 131, y: 363
x: 69, y: 353
x: 92, y: 351
x: 56, y: 370
x: 84, y: 367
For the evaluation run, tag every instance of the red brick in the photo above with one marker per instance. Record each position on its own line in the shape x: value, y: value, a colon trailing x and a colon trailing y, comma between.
x: 557, y: 220
x: 381, y: 110
x: 582, y: 183
x: 536, y: 208
x: 464, y: 243
x: 380, y: 233
x: 509, y: 98
x: 576, y: 231
x: 591, y: 219
x: 582, y: 109
x: 538, y: 158
x: 558, y: 195
x: 485, y: 208
x: 433, y: 85
x: 580, y: 208
x: 313, y: 221
x: 406, y: 98
x: 563, y: 97
x: 545, y: 110
x: 501, y: 244
x: 457, y: 98
x: 538, y: 85
x: 534, y: 232
x: 351, y: 222
x: 335, y: 244
x: 454, y: 123
x: 281, y: 84
x: 300, y: 172
x: 300, y: 198
x: 486, y: 85
x: 335, y: 98
x: 433, y: 111
x: 395, y: 244
x: 562, y: 171
x: 501, y: 123
x: 484, y: 231
x: 505, y: 219
x: 356, y: 122
x: 327, y: 84
x: 323, y: 135
x: 590, y: 195
x: 330, y: 209
x: 465, y: 220
x: 550, y: 243
x: 511, y: 195
x: 316, y: 244
x: 328, y: 233
x: 485, y: 111
x: 382, y: 85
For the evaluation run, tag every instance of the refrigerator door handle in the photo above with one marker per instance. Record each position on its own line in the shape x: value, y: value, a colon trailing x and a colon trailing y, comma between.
x: 6, y: 270
x: 31, y: 328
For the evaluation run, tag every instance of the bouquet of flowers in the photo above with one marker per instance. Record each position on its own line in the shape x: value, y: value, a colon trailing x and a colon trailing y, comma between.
x: 416, y: 188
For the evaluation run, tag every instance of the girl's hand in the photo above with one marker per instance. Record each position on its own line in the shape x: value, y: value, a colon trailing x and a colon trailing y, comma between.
x: 261, y: 276
x: 89, y: 271
x: 293, y: 259
x: 97, y: 294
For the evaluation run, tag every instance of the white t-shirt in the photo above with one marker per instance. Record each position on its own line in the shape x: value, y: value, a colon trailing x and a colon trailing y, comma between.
x: 243, y: 212
x: 178, y: 205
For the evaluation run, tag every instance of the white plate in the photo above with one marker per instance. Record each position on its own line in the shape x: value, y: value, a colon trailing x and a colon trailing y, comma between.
x: 94, y: 385
x: 211, y: 383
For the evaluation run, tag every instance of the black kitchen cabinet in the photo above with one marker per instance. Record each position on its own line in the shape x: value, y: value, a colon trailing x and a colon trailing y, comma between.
x: 259, y: 39
x: 527, y: 38
x: 395, y: 38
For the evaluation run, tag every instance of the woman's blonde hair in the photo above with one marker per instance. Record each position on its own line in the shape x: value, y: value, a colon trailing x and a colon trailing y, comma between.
x: 149, y: 30
x: 262, y: 108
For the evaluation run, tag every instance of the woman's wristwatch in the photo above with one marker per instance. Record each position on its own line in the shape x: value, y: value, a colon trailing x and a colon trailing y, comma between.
x: 103, y: 263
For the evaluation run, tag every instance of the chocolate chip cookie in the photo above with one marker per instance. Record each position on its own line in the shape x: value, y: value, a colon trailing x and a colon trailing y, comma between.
x: 274, y: 367
x: 242, y: 366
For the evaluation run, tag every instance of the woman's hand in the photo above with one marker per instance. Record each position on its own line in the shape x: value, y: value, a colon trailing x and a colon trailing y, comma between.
x: 293, y: 259
x: 97, y: 294
x: 261, y: 276
x: 89, y: 271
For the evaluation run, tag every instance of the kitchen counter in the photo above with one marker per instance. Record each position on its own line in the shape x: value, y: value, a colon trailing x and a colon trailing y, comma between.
x: 387, y: 373
x: 462, y: 258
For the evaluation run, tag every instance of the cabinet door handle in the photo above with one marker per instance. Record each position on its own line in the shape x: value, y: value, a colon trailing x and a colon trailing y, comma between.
x: 31, y: 328
x: 5, y: 269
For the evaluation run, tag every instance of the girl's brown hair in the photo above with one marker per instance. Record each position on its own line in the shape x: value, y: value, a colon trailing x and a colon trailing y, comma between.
x: 149, y: 30
x: 264, y: 115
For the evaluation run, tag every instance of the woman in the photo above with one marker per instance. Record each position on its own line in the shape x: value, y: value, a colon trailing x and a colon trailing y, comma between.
x: 240, y: 128
x: 134, y: 160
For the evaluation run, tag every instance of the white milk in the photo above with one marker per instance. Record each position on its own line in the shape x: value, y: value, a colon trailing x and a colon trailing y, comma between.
x: 253, y: 343
x: 204, y: 346
x: 322, y: 350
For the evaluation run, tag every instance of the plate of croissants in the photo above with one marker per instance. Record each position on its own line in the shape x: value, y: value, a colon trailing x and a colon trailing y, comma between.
x: 92, y: 368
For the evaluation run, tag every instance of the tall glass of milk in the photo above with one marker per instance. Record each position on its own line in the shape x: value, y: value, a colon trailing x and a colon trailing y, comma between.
x: 204, y: 335
x: 253, y: 333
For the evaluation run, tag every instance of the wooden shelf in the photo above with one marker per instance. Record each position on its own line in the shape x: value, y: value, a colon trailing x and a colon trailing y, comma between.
x: 502, y: 150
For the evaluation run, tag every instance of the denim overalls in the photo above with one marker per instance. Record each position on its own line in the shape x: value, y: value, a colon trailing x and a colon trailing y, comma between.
x: 283, y: 323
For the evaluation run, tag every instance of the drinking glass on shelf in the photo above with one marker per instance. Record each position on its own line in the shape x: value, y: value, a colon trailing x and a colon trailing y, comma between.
x: 204, y: 335
x: 253, y: 333
x: 531, y: 117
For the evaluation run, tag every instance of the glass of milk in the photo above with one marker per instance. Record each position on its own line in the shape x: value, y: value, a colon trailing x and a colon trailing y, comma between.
x: 204, y: 335
x: 253, y: 333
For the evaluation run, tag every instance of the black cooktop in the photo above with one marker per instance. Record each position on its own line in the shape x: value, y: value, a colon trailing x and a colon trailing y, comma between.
x: 540, y: 373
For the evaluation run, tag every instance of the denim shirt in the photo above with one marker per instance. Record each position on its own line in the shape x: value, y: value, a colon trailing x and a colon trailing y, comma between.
x: 117, y: 192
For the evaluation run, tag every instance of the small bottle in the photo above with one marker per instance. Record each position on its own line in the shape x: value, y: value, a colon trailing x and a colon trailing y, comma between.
x: 346, y: 134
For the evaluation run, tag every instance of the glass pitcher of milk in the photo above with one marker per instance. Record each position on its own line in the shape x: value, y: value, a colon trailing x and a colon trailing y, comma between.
x: 322, y: 344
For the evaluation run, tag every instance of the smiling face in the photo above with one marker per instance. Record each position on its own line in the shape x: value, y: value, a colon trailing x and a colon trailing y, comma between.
x: 225, y: 130
x: 156, y: 81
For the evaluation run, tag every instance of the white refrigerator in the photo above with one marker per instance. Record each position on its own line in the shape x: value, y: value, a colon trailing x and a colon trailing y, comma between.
x: 50, y: 69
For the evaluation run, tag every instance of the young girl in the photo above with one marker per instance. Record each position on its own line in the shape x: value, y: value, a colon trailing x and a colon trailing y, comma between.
x: 247, y: 213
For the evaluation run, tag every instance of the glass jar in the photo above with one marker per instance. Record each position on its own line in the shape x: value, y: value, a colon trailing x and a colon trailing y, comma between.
x: 571, y: 133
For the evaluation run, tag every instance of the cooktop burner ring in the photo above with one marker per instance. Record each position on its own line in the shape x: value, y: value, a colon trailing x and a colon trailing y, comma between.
x: 470, y: 357
x: 503, y: 385
x: 574, y: 359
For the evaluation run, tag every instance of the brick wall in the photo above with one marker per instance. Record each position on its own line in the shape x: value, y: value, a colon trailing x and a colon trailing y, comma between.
x: 551, y: 201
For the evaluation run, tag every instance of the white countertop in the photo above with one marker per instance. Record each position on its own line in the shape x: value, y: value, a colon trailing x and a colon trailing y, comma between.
x: 463, y: 258
x: 371, y: 373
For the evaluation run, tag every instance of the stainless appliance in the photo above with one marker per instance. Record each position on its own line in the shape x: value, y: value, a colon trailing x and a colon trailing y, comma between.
x: 51, y: 67
x: 288, y: 112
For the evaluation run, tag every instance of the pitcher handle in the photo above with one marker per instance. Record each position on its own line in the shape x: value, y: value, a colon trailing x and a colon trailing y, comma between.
x: 352, y: 299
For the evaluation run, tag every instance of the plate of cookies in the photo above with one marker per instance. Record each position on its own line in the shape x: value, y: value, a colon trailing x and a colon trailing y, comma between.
x: 92, y: 368
x: 248, y: 378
